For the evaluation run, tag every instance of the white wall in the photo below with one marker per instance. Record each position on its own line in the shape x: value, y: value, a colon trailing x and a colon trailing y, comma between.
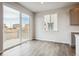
x: 63, y: 35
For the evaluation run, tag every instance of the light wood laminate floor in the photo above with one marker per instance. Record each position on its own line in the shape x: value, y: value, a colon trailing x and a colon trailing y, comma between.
x: 40, y: 48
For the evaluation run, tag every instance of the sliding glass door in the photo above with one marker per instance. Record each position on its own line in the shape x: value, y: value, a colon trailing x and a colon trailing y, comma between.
x: 11, y: 27
x: 25, y: 27
x: 16, y: 27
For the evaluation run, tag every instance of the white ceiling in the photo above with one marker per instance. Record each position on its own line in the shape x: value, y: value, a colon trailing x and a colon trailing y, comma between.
x: 38, y: 7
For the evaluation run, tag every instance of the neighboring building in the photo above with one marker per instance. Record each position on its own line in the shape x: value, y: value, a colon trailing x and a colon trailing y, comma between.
x: 16, y: 26
x: 26, y: 28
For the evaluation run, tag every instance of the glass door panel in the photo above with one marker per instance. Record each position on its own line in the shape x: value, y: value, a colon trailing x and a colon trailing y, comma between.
x: 25, y: 27
x: 11, y: 26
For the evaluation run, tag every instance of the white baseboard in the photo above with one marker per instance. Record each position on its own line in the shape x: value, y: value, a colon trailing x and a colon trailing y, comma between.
x: 52, y: 41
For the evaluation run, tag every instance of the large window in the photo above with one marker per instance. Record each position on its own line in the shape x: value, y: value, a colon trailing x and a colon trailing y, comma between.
x: 50, y: 22
x: 25, y: 27
x: 16, y: 27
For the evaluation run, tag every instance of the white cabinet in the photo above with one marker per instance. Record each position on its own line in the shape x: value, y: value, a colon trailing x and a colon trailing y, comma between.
x: 77, y: 45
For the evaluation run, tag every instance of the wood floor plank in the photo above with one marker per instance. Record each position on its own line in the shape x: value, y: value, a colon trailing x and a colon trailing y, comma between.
x: 40, y: 48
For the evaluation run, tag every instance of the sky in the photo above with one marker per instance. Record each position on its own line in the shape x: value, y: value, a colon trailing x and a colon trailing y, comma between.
x: 12, y: 16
